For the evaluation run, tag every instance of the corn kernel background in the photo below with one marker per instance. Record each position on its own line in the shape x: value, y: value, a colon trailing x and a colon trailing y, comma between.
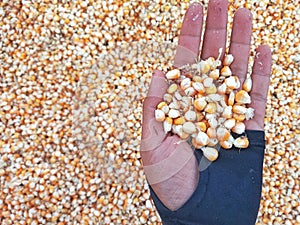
x: 73, y: 76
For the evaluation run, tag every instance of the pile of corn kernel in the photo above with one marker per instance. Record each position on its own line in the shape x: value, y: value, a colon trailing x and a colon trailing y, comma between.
x: 203, y: 104
x: 73, y: 76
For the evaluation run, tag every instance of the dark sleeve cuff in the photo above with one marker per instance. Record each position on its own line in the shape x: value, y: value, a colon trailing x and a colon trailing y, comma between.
x: 228, y: 192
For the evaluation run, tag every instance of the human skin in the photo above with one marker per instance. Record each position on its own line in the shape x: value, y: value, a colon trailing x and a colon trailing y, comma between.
x: 157, y: 147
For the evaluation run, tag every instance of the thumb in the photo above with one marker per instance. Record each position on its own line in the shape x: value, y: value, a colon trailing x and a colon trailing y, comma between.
x: 152, y: 131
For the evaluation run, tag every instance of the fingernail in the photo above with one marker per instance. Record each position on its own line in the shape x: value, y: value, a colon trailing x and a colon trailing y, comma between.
x: 194, y: 12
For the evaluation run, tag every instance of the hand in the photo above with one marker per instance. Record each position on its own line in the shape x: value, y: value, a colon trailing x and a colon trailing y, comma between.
x: 170, y: 165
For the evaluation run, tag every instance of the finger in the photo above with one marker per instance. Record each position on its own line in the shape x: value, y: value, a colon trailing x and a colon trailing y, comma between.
x: 215, y: 31
x: 240, y: 42
x: 261, y: 73
x: 190, y: 36
x: 152, y: 131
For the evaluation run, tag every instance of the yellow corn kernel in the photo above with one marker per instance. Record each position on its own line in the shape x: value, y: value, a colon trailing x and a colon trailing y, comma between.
x: 211, y: 108
x: 161, y: 104
x: 242, y: 97
x: 204, y: 67
x: 200, y: 103
x: 214, y: 74
x: 240, y: 109
x: 197, y: 79
x: 241, y: 142
x: 200, y: 116
x: 230, y: 100
x: 201, y: 126
x: 247, y: 85
x: 226, y: 71
x: 226, y: 144
x: 173, y: 74
x: 211, y: 132
x: 172, y: 88
x: 179, y: 121
x: 222, y: 134
x: 239, y: 117
x: 210, y: 153
x: 211, y: 90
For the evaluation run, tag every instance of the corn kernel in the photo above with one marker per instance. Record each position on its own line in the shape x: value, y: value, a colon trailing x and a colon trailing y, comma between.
x: 241, y: 142
x: 210, y: 153
x: 242, y: 97
x: 173, y: 74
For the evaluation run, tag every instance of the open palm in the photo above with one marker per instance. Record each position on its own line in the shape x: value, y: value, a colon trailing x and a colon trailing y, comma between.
x: 170, y: 165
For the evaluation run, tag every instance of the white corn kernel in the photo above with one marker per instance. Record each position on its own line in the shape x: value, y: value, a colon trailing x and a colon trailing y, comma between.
x: 231, y: 98
x: 208, y: 82
x: 213, y: 122
x: 190, y: 91
x: 173, y: 113
x: 189, y: 128
x: 210, y: 153
x: 173, y: 74
x: 178, y: 96
x: 201, y: 126
x: 190, y: 115
x: 228, y: 59
x: 212, y: 142
x: 174, y: 105
x: 222, y: 89
x: 159, y: 115
x: 249, y: 113
x: 239, y: 128
x: 233, y: 82
x: 202, y: 138
x: 229, y: 124
x: 165, y: 109
x: 167, y: 124
x: 213, y: 98
x: 185, y: 83
x: 199, y: 87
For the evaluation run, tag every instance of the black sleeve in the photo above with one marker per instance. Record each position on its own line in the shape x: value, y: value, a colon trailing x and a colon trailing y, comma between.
x: 228, y: 192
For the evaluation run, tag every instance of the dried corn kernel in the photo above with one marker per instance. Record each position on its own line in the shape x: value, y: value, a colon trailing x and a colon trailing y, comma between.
x: 173, y: 74
x: 241, y: 142
x: 210, y: 153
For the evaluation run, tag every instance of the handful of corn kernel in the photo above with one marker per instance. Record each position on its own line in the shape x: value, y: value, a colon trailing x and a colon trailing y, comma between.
x: 204, y: 104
